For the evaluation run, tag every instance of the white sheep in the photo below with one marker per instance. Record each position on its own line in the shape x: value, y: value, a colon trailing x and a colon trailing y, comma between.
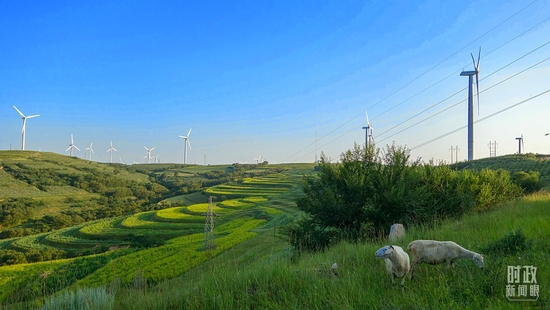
x: 437, y: 252
x: 397, y: 261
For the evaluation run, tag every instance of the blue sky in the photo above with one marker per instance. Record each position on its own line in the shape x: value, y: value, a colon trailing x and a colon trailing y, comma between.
x: 267, y: 77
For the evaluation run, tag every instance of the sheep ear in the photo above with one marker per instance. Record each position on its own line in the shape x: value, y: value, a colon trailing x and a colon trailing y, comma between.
x: 391, y: 247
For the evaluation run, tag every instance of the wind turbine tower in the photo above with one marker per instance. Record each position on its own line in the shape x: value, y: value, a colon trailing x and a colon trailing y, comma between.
x: 520, y: 144
x: 24, y: 124
x: 110, y: 150
x: 368, y: 132
x: 72, y: 146
x: 91, y: 151
x: 148, y: 156
x: 185, y: 144
x: 470, y: 75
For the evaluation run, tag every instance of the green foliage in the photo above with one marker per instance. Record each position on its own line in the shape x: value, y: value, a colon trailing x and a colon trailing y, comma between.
x: 369, y: 190
x: 510, y: 244
x: 529, y: 181
x: 306, y: 235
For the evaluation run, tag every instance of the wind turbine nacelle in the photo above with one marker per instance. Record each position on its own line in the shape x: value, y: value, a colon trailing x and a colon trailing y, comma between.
x: 467, y: 73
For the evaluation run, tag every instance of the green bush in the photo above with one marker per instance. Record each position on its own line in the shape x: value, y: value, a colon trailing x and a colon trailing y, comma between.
x: 306, y: 235
x: 510, y: 244
x: 368, y: 190
x: 529, y: 181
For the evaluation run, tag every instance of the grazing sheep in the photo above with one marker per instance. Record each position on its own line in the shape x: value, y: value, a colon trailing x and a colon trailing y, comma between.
x: 397, y: 261
x: 397, y: 231
x: 437, y: 252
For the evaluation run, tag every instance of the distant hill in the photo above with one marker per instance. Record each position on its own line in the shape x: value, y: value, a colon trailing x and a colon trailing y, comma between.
x: 512, y: 163
x: 41, y: 191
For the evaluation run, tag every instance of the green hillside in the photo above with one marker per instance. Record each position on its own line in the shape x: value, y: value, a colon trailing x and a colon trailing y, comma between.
x: 149, y: 243
x: 512, y: 163
x: 152, y: 256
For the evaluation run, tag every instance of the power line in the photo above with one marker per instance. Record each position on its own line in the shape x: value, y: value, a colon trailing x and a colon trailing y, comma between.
x: 481, y: 119
x: 525, y: 55
x: 456, y: 104
x: 430, y: 69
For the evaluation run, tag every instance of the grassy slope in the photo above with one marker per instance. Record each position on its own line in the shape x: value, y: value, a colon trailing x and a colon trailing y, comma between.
x: 55, y: 196
x: 239, y: 279
x: 72, y: 238
x: 513, y: 163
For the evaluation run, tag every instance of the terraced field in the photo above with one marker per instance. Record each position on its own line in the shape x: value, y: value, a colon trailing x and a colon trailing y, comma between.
x: 267, y: 186
x: 240, y: 210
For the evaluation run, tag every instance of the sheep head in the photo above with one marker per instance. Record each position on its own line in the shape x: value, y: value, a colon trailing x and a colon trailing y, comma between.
x: 478, y: 260
x: 384, y: 252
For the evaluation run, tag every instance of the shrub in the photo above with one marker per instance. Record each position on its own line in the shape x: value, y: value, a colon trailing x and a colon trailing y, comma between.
x: 369, y: 190
x: 306, y: 235
x: 529, y: 181
x: 510, y: 244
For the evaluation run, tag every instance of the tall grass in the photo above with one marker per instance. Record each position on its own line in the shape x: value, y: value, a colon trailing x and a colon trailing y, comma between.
x: 81, y: 299
x: 361, y: 281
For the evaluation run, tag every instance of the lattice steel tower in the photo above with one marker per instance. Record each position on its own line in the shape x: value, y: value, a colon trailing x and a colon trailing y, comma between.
x: 208, y: 243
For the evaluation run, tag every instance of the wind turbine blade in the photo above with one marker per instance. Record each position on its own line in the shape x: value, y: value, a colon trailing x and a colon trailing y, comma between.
x: 146, y: 148
x: 367, y: 115
x: 72, y: 140
x: 37, y: 115
x: 478, y: 58
x: 189, y: 132
x: 76, y: 147
x: 68, y: 148
x: 24, y: 123
x: 183, y: 137
x: 22, y: 115
x: 115, y: 150
x: 152, y: 149
x: 189, y: 143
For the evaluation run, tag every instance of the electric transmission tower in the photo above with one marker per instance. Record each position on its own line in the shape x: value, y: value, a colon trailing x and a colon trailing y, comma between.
x: 492, y: 149
x: 452, y: 149
x: 208, y: 243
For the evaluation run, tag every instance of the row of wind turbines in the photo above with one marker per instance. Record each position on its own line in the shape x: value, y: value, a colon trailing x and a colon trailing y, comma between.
x: 90, y: 149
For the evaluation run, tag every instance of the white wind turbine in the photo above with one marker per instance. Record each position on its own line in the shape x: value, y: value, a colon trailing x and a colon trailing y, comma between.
x: 91, y: 151
x: 72, y: 146
x: 24, y: 123
x: 258, y: 160
x: 369, y: 139
x: 148, y: 156
x: 185, y: 144
x: 470, y: 75
x: 521, y: 146
x: 110, y: 150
